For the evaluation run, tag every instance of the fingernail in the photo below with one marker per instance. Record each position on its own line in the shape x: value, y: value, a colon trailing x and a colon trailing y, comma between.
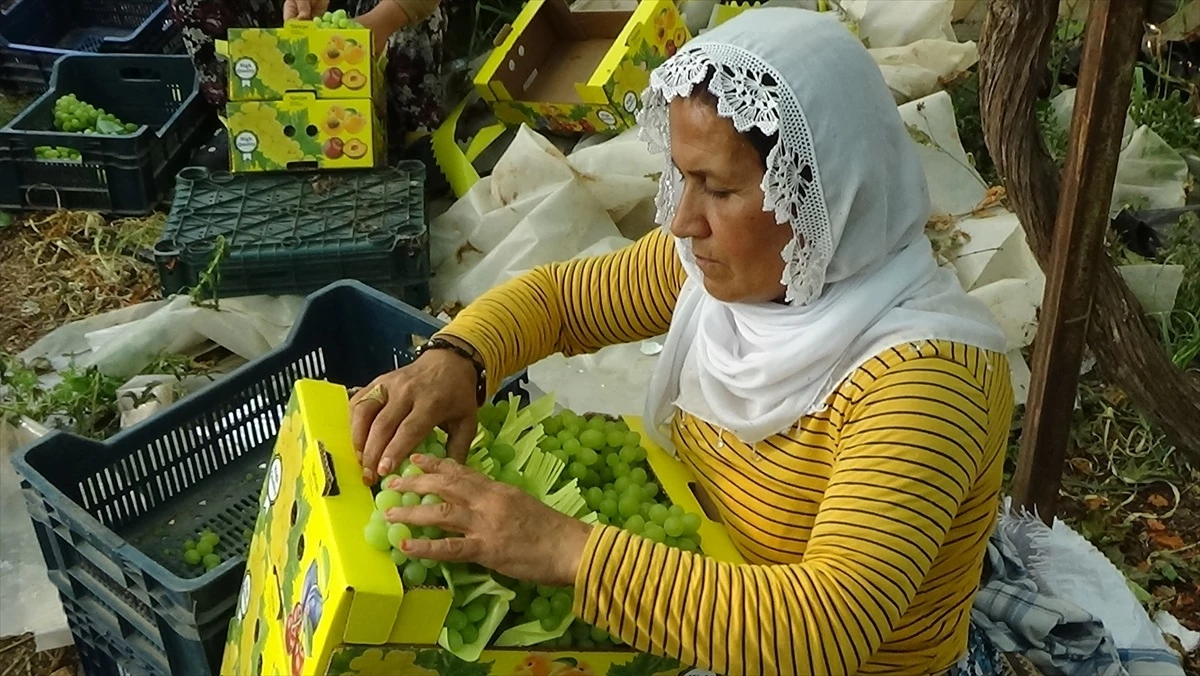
x: 407, y: 545
x: 368, y: 476
x: 392, y: 514
x: 385, y: 467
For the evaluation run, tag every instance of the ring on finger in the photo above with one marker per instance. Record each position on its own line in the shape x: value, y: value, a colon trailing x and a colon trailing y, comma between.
x: 376, y: 394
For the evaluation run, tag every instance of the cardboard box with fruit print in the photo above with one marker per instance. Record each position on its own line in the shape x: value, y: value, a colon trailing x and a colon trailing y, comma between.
x: 302, y: 132
x: 579, y: 71
x: 317, y: 598
x: 266, y: 64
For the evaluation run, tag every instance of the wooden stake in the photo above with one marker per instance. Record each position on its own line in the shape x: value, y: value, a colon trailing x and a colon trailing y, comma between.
x: 1114, y: 30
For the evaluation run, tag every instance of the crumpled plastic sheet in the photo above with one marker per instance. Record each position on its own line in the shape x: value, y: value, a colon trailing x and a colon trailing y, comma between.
x: 123, y: 342
x: 955, y: 187
x: 29, y: 600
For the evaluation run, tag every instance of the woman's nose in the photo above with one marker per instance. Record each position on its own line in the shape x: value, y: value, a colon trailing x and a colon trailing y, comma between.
x: 689, y: 219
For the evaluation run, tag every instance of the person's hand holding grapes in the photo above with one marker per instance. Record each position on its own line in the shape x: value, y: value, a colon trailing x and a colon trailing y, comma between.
x: 502, y: 528
x: 304, y: 9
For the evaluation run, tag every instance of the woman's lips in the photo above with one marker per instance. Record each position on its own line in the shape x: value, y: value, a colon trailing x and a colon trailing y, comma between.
x: 704, y: 262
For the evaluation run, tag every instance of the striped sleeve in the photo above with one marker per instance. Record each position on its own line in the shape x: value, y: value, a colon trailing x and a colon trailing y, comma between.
x: 575, y: 307
x: 910, y: 448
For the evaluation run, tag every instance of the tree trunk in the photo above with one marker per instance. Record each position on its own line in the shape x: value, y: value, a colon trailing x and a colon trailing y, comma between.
x: 1013, y: 52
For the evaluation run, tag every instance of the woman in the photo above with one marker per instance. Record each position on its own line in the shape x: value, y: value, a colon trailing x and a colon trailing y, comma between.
x: 841, y: 398
x: 413, y: 32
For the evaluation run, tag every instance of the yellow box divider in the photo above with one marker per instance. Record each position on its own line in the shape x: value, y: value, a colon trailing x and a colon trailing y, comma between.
x: 677, y: 481
x: 494, y: 91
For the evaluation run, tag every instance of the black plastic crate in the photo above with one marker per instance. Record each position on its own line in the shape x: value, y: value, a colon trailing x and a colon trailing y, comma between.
x: 294, y: 233
x: 125, y: 175
x: 111, y: 516
x: 34, y: 33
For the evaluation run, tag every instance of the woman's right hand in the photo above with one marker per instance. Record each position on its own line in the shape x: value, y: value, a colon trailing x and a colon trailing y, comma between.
x: 397, y: 411
x: 304, y: 9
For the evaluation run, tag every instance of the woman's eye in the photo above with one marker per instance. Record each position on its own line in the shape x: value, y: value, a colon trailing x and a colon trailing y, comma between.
x: 718, y: 194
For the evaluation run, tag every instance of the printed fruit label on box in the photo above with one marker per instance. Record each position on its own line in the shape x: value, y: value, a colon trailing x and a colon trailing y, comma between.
x: 268, y: 63
x: 300, y: 131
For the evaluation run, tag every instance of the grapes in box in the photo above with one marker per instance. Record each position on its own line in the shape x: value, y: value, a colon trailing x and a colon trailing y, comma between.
x: 328, y: 592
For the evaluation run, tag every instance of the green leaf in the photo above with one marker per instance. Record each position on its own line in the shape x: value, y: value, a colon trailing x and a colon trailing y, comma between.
x: 6, y: 219
x: 109, y: 127
x: 643, y: 664
x: 1168, y: 571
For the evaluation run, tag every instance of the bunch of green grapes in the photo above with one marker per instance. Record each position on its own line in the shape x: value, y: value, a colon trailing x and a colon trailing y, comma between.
x: 73, y: 115
x: 549, y: 607
x: 464, y: 621
x: 201, y: 551
x: 609, y: 462
x: 57, y: 153
x: 337, y: 19
x: 390, y: 537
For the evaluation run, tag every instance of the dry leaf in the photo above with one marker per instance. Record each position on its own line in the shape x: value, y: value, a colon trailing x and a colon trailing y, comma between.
x: 1081, y: 465
x: 1155, y: 525
x: 1168, y: 540
x: 1094, y: 502
x: 1158, y: 500
x: 1144, y: 566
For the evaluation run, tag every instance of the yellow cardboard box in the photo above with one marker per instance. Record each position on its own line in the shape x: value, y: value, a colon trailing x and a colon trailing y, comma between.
x: 303, y: 132
x: 317, y: 599
x: 265, y: 64
x: 582, y: 71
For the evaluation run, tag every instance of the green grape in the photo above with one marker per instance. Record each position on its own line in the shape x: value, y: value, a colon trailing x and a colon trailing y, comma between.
x: 579, y: 630
x: 431, y: 499
x: 399, y: 558
x: 521, y: 601
x: 572, y: 446
x: 192, y: 557
x: 597, y: 634
x: 189, y: 544
x: 414, y: 574
x: 561, y: 643
x: 688, y: 545
x: 575, y: 427
x: 611, y: 494
x: 552, y: 425
x: 654, y: 533
x: 549, y: 445
x: 411, y: 470
x: 612, y: 459
x: 211, y: 561
x: 410, y: 499
x: 588, y: 457
x: 577, y: 470
x: 621, y: 470
x: 436, y: 450
x: 592, y: 439
x: 629, y: 506
x: 691, y: 523
x: 546, y: 591
x: 621, y: 485
x: 645, y: 510
x: 454, y: 640
x: 594, y: 497
x: 596, y: 423
x: 562, y: 455
x: 606, y: 475
x: 540, y: 607
x: 603, y: 518
x: 587, y: 644
x: 650, y: 491
x: 247, y: 535
x: 609, y: 508
x: 502, y: 453
x: 548, y: 623
x: 659, y: 514
x: 388, y: 500
x: 676, y: 511
x: 210, y: 536
x: 564, y: 437
x: 633, y: 439
x: 378, y: 516
x: 470, y: 634
x: 615, y: 438
x: 376, y: 534
x: 205, y: 547
x: 429, y: 564
x: 397, y: 533
x: 512, y: 477
x: 673, y: 526
x: 638, y: 476
x: 560, y: 605
x: 387, y: 481
x: 635, y: 524
x: 476, y: 610
x: 592, y: 478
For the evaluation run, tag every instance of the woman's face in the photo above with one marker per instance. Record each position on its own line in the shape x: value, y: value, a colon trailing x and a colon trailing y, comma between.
x: 737, y: 244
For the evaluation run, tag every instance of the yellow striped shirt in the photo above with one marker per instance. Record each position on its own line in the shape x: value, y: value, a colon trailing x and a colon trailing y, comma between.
x: 864, y: 527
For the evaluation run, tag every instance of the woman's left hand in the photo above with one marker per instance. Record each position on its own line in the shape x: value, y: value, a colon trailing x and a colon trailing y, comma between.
x: 503, y: 528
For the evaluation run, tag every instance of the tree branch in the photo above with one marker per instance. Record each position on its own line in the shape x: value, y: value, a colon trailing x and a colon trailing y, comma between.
x: 1014, y: 48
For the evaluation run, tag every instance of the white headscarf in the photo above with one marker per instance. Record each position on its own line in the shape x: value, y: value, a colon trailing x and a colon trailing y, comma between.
x: 845, y: 175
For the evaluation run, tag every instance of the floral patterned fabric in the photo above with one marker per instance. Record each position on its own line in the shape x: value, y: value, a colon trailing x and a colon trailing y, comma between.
x: 416, y: 89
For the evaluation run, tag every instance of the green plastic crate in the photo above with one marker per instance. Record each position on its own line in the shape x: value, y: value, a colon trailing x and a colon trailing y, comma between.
x: 295, y: 233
